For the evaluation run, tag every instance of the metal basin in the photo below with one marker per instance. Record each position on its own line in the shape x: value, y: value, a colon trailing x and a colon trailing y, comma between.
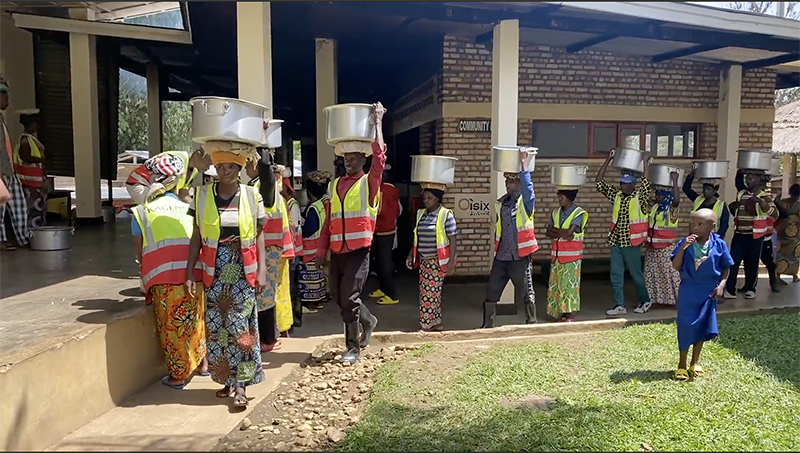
x: 711, y: 169
x: 50, y: 238
x: 754, y: 159
x: 659, y: 174
x: 435, y: 169
x: 629, y: 159
x: 349, y: 123
x: 505, y: 159
x: 227, y: 119
x: 775, y: 166
x: 273, y: 135
x: 568, y: 176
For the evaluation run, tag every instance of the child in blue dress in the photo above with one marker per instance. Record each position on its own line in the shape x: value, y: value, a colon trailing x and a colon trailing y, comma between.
x: 704, y: 261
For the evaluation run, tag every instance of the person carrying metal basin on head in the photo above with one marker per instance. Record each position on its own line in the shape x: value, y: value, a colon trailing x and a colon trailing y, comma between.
x: 353, y: 212
x: 708, y: 199
x: 29, y: 163
x: 628, y: 230
x: 515, y: 241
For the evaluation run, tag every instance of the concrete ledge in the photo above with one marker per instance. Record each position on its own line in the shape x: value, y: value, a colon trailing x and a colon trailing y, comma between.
x: 55, y: 391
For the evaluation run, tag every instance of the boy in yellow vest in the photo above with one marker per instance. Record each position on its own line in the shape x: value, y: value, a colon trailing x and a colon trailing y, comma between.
x: 628, y: 231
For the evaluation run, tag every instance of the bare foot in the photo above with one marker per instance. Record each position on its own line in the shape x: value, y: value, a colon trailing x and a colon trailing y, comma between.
x: 240, y: 397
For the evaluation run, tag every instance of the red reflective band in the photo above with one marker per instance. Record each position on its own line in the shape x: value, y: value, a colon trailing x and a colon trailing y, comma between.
x: 663, y: 237
x: 565, y: 251
x: 638, y: 232
x: 30, y: 175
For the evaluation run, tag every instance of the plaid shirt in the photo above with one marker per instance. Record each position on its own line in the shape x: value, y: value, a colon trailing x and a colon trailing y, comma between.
x: 620, y: 236
x: 6, y: 168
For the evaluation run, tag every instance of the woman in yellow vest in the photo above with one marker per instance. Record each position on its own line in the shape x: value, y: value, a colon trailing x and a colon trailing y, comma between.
x: 434, y: 251
x: 228, y: 243
x: 162, y: 229
x: 566, y: 228
x: 660, y: 278
x: 29, y: 164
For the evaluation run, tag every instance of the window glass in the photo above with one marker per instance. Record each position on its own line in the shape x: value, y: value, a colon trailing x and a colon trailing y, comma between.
x: 604, y: 140
x: 557, y: 139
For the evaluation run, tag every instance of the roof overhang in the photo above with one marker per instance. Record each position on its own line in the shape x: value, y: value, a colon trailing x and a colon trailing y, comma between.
x: 116, y: 30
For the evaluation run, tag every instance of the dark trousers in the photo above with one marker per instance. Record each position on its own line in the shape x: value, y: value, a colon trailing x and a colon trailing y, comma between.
x: 349, y: 272
x: 267, y: 326
x: 745, y: 251
x: 519, y: 272
x: 768, y: 258
x: 384, y: 264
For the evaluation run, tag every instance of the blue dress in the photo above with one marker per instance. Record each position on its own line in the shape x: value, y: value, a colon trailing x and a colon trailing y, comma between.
x: 697, y: 310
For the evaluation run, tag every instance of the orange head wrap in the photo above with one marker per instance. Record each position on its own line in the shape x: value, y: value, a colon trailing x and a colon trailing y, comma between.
x: 224, y: 157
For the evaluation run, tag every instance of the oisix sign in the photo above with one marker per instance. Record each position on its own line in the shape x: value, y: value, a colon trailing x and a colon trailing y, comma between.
x: 472, y: 206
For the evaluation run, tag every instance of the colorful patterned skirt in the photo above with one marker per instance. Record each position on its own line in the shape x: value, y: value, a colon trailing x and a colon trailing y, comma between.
x: 181, y: 327
x: 234, y: 353
x: 278, y: 291
x: 36, y: 197
x: 312, y: 285
x: 564, y: 289
x: 788, y: 250
x: 660, y: 278
x: 431, y: 279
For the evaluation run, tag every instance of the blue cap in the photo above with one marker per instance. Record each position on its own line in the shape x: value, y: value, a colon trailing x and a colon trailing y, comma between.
x: 627, y: 178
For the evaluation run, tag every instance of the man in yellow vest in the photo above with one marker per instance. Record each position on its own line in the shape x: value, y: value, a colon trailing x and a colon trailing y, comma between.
x: 628, y: 231
x: 354, y: 209
x: 515, y: 241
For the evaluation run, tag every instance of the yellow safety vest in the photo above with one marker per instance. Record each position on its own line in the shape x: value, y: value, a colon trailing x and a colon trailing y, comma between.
x: 442, y: 241
x: 526, y: 238
x: 563, y: 250
x: 718, y: 206
x: 352, y: 222
x: 32, y: 175
x: 662, y: 229
x: 638, y: 219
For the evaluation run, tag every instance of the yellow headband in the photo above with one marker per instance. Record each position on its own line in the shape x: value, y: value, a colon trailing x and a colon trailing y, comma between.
x: 224, y: 157
x: 433, y: 186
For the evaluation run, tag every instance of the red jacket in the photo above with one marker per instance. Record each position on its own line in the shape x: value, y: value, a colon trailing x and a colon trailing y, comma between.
x: 389, y: 209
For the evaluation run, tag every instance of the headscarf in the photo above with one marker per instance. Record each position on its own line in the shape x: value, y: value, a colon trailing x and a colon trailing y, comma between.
x: 667, y: 202
x: 165, y: 170
x: 27, y: 115
x: 570, y: 194
x: 439, y: 194
x: 289, y: 186
x: 317, y: 183
x: 225, y: 157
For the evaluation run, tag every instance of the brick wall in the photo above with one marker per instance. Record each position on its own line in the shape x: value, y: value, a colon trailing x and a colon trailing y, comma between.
x: 549, y: 75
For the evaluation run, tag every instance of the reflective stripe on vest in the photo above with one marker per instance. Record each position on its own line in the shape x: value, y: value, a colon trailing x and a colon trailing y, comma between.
x: 761, y: 222
x: 311, y: 243
x: 563, y: 250
x: 276, y: 227
x: 638, y: 219
x: 718, y: 206
x: 209, y: 222
x: 526, y: 238
x: 166, y: 234
x: 442, y: 241
x: 31, y: 175
x: 352, y: 223
x: 664, y: 231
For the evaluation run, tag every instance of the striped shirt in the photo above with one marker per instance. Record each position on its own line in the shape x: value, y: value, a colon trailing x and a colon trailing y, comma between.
x: 229, y: 214
x: 744, y: 214
x: 426, y: 232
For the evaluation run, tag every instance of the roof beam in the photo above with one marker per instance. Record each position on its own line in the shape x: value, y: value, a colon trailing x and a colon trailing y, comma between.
x: 685, y: 52
x: 119, y: 14
x: 116, y: 30
x: 774, y: 61
x: 585, y: 44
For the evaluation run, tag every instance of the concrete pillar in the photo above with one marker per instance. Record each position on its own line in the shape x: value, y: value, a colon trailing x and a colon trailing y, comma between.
x: 789, y: 173
x: 254, y: 52
x: 16, y: 65
x: 327, y: 94
x: 728, y: 118
x: 154, y: 135
x: 505, y: 104
x: 85, y: 120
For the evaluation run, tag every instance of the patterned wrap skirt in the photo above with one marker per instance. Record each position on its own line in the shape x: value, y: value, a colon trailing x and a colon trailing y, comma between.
x: 660, y: 278
x: 181, y: 327
x: 431, y: 279
x: 312, y: 284
x: 564, y: 289
x: 278, y: 291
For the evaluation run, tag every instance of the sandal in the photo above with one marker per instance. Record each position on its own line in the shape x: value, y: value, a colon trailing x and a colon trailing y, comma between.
x: 240, y: 400
x: 271, y: 347
x: 165, y: 381
x: 681, y: 375
x: 697, y: 371
x: 227, y: 392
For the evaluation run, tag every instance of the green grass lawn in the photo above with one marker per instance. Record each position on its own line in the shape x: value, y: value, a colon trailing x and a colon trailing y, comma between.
x: 613, y: 392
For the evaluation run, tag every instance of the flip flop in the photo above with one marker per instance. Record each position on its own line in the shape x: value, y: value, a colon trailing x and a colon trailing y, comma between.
x: 165, y: 381
x: 240, y: 400
x: 681, y: 375
x: 697, y: 371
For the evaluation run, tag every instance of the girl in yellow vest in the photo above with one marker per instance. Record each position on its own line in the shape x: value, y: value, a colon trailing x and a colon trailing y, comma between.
x: 708, y: 199
x: 162, y: 229
x: 228, y: 242
x: 29, y: 164
x: 566, y: 228
x: 434, y: 251
x: 660, y: 279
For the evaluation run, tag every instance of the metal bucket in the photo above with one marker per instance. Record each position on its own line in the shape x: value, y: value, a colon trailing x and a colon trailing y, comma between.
x: 273, y: 134
x: 349, y: 123
x: 711, y: 169
x: 505, y: 159
x: 568, y: 176
x: 228, y: 119
x: 49, y: 238
x: 660, y: 174
x: 434, y: 169
x: 629, y: 159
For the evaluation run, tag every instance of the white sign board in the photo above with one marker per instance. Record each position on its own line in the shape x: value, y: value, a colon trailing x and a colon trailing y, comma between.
x: 473, y: 205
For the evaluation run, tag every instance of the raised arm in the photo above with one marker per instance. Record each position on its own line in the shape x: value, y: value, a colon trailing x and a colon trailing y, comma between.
x: 266, y: 176
x: 687, y: 187
x: 375, y: 175
x: 601, y: 174
x: 676, y: 200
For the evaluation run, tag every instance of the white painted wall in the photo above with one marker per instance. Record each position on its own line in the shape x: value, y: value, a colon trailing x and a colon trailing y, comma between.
x: 16, y: 65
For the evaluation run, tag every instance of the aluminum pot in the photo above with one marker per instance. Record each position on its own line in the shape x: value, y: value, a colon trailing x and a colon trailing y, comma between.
x: 629, y: 159
x: 302, y: 197
x: 274, y: 137
x: 711, y: 169
x: 227, y: 119
x: 754, y: 159
x: 48, y: 238
x: 775, y: 166
x: 505, y: 159
x: 435, y: 169
x: 568, y: 176
x: 349, y: 123
x: 660, y: 174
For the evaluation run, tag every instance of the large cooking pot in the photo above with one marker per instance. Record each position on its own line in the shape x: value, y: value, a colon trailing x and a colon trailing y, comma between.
x: 505, y: 159
x: 775, y: 166
x: 227, y: 119
x: 274, y: 137
x: 435, y: 169
x: 568, y: 176
x: 711, y: 169
x: 629, y: 159
x: 349, y: 123
x: 754, y: 159
x: 302, y: 197
x: 48, y: 238
x: 660, y: 174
